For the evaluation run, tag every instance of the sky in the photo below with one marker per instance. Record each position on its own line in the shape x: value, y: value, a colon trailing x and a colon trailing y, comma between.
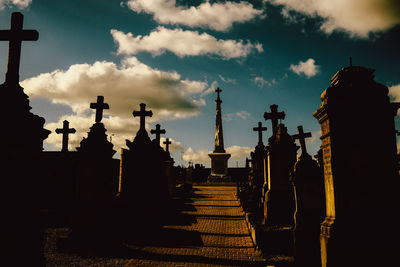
x: 172, y: 55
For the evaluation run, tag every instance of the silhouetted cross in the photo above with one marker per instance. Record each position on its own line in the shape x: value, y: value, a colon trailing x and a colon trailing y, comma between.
x: 65, y: 131
x: 15, y: 36
x: 99, y: 106
x: 218, y: 90
x: 167, y: 143
x: 302, y: 138
x: 158, y: 131
x: 274, y: 115
x: 143, y: 113
x: 260, y: 129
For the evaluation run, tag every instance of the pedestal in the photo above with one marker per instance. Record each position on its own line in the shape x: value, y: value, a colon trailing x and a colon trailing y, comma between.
x: 219, y: 166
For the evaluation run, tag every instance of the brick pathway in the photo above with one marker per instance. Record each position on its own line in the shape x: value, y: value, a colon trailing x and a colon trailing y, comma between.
x: 218, y: 236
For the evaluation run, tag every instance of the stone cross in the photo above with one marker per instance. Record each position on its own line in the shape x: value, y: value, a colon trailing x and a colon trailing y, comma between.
x: 302, y: 137
x: 218, y: 90
x: 167, y: 143
x: 274, y: 115
x: 15, y: 36
x: 65, y: 131
x: 158, y: 131
x: 99, y: 106
x: 143, y: 113
x: 260, y: 129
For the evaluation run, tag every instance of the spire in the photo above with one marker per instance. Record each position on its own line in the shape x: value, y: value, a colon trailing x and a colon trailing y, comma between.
x: 219, y: 137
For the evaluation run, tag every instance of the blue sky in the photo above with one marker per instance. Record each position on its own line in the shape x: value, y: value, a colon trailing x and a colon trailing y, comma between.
x: 171, y: 55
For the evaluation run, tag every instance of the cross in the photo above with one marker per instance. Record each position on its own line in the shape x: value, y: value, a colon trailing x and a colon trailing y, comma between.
x: 15, y: 36
x: 167, y: 143
x: 158, y: 131
x: 143, y: 113
x: 274, y: 115
x: 302, y: 137
x: 218, y: 90
x: 260, y: 129
x: 65, y: 131
x: 99, y: 106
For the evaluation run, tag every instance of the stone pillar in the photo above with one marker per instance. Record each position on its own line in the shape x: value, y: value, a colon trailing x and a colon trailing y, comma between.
x: 361, y: 180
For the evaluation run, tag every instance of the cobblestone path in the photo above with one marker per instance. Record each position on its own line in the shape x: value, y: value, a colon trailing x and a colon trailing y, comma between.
x: 218, y: 236
x: 224, y: 237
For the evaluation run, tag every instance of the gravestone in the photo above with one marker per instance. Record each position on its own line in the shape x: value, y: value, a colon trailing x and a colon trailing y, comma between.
x: 308, y: 183
x: 22, y: 144
x: 257, y: 180
x: 97, y: 183
x: 65, y: 131
x: 360, y: 172
x: 281, y: 156
x: 169, y: 169
x: 143, y: 184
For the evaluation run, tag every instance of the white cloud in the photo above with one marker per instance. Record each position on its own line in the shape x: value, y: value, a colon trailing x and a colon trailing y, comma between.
x: 216, y: 16
x: 21, y: 4
x: 175, y: 146
x: 182, y: 43
x: 308, y: 68
x: 226, y: 80
x: 239, y: 151
x: 201, y: 155
x: 211, y: 89
x: 124, y: 87
x: 394, y: 92
x: 261, y: 82
x: 359, y: 18
x: 243, y: 114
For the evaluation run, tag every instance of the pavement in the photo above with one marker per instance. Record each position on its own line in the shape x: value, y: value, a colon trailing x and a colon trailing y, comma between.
x: 216, y: 236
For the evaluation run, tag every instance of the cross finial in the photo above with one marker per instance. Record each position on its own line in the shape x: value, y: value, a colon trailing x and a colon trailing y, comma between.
x: 274, y: 115
x: 158, y: 131
x: 260, y: 129
x: 15, y: 35
x: 302, y: 137
x: 65, y: 131
x: 218, y: 90
x: 99, y: 106
x: 143, y: 113
x: 167, y: 143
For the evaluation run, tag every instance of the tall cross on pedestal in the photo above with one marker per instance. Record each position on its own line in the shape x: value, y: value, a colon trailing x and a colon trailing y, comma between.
x: 302, y: 139
x: 260, y: 129
x: 15, y: 36
x: 143, y: 113
x: 158, y: 131
x: 65, y: 131
x: 274, y: 115
x: 99, y: 106
x: 167, y: 143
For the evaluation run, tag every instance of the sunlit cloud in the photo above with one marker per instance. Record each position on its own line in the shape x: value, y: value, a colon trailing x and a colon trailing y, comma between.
x: 216, y: 16
x: 358, y: 18
x: 308, y: 68
x: 21, y: 4
x: 182, y: 43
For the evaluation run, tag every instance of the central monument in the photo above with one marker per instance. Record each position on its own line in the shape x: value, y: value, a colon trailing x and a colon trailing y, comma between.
x: 219, y: 158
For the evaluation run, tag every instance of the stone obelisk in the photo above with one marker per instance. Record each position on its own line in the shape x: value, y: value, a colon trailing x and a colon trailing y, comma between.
x: 219, y: 158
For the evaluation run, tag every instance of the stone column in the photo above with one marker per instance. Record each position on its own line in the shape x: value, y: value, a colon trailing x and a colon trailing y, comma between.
x: 361, y: 180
